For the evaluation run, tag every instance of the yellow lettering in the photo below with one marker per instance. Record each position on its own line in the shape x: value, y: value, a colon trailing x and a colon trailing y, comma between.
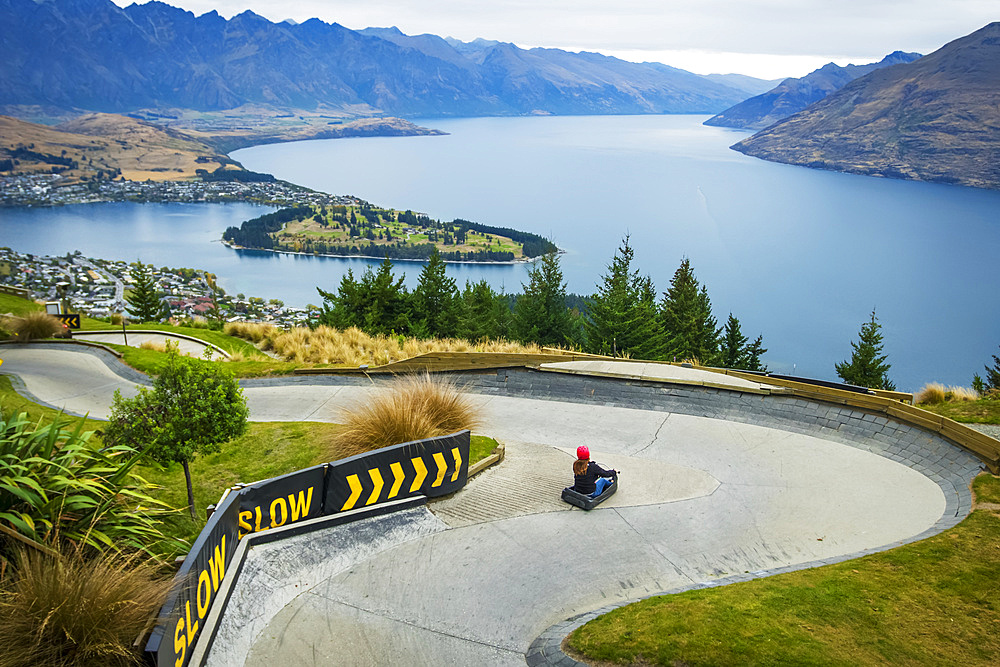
x: 192, y: 630
x: 300, y: 503
x: 245, y: 526
x: 217, y: 564
x: 207, y: 598
x: 180, y: 645
x: 278, y: 502
x: 256, y: 523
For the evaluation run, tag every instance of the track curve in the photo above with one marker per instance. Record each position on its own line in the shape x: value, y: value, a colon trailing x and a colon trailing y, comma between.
x: 476, y: 578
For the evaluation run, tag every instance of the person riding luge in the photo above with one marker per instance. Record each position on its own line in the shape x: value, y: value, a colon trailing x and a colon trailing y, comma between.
x: 590, y: 479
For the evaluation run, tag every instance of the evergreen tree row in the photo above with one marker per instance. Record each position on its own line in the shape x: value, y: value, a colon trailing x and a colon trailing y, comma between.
x: 622, y: 318
x: 625, y: 318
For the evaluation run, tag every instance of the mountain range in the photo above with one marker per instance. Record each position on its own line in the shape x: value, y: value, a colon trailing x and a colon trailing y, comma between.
x: 794, y: 95
x: 934, y: 119
x: 93, y: 55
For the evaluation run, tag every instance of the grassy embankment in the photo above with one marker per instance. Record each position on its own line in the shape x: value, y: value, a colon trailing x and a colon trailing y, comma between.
x: 931, y: 602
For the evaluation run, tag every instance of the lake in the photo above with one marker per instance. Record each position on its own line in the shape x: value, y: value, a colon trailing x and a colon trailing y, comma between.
x: 801, y: 256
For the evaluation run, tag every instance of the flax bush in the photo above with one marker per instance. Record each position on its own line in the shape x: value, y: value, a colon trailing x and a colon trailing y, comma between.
x: 57, y: 485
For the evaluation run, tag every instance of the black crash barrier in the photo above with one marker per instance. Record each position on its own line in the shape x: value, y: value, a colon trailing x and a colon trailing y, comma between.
x: 432, y: 467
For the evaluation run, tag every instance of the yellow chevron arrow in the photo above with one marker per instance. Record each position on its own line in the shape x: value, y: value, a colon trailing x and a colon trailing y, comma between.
x: 421, y: 469
x: 398, y: 476
x: 376, y: 476
x: 442, y: 468
x: 355, y: 485
x: 458, y: 462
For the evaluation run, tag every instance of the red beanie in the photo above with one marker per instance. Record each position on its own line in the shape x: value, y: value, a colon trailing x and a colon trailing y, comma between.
x: 582, y: 452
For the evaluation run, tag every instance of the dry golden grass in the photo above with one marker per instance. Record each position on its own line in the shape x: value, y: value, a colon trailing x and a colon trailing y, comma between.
x: 34, y: 326
x: 413, y: 408
x: 56, y: 612
x: 353, y: 347
x: 934, y: 393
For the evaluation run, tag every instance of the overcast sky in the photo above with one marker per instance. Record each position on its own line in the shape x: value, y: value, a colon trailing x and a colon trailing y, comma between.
x: 765, y: 38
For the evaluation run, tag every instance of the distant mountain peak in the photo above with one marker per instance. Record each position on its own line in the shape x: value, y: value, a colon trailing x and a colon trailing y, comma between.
x: 936, y: 118
x: 92, y: 55
x: 793, y: 95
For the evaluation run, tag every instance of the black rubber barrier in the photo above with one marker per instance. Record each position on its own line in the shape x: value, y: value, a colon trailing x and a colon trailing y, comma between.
x: 432, y: 467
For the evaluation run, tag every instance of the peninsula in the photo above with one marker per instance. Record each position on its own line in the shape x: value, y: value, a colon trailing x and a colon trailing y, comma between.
x: 363, y: 230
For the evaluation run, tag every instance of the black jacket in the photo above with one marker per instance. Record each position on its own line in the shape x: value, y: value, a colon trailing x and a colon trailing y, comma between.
x: 587, y: 482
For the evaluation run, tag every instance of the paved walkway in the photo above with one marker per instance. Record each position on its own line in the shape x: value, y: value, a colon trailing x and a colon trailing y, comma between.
x: 475, y: 578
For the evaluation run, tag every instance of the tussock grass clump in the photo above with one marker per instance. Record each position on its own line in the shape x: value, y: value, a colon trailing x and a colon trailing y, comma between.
x: 931, y: 394
x: 934, y: 393
x: 156, y: 346
x: 69, y: 610
x: 255, y: 332
x: 961, y: 394
x: 353, y: 347
x: 413, y: 408
x: 34, y: 326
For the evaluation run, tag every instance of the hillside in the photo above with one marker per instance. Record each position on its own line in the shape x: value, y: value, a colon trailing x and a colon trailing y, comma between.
x: 935, y: 119
x: 794, y: 95
x: 93, y: 55
x: 103, y: 145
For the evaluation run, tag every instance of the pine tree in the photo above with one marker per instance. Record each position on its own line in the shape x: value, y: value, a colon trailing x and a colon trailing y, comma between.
x: 481, y: 311
x: 993, y: 374
x: 733, y: 345
x: 144, y: 299
x: 346, y: 308
x: 387, y: 307
x: 686, y: 317
x: 435, y: 300
x: 736, y: 350
x: 621, y: 318
x: 867, y: 366
x: 540, y: 314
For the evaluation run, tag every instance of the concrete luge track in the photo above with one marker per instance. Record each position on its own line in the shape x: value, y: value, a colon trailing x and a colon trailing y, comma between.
x: 715, y: 484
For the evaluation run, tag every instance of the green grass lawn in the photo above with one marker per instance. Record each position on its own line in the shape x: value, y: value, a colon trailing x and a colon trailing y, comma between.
x: 982, y: 411
x: 16, y: 305
x: 932, y: 602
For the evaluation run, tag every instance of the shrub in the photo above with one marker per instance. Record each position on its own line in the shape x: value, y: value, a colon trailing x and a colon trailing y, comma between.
x: 931, y: 394
x: 68, y: 610
x: 55, y: 484
x: 34, y: 326
x: 413, y: 408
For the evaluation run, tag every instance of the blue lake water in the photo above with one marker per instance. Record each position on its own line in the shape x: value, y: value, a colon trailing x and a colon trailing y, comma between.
x: 799, y: 255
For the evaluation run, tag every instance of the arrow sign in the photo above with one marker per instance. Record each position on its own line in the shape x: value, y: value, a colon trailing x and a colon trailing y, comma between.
x: 71, y: 320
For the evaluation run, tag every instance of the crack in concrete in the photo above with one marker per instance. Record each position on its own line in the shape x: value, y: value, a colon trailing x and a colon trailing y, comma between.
x: 417, y: 626
x: 655, y: 435
x: 652, y: 546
